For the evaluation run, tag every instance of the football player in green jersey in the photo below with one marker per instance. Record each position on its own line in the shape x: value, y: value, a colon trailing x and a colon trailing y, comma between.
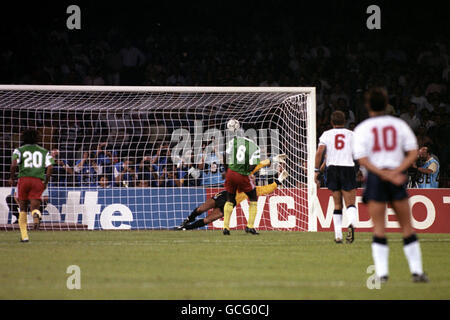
x: 35, y: 168
x: 243, y: 155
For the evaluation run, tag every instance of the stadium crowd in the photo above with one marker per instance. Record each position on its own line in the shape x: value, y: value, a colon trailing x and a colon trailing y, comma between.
x: 414, y: 71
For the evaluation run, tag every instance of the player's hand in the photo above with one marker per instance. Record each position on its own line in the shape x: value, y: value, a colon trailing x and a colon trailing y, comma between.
x: 280, y: 158
x: 394, y: 177
x: 12, y: 182
x: 316, y: 178
x: 398, y: 179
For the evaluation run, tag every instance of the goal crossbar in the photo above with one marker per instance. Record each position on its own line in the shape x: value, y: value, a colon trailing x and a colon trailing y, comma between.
x: 159, y: 89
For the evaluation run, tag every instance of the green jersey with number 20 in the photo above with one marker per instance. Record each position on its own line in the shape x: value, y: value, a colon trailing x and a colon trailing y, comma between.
x: 32, y: 160
x: 242, y: 153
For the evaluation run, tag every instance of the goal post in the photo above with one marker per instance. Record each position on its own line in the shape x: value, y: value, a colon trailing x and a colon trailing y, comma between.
x: 145, y: 157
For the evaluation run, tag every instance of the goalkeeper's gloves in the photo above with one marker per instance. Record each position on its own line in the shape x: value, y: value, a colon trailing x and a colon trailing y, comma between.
x: 279, y: 158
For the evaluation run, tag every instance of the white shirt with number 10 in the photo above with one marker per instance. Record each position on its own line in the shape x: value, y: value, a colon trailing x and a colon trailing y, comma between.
x: 384, y: 141
x: 338, y: 143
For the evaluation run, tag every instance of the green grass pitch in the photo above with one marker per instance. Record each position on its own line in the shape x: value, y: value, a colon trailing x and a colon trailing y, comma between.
x: 208, y: 265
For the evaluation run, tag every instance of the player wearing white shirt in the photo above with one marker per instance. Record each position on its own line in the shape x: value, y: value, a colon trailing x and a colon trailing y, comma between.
x: 341, y: 178
x: 380, y: 144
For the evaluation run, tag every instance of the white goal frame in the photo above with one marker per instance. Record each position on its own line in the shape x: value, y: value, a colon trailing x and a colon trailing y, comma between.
x: 311, y: 115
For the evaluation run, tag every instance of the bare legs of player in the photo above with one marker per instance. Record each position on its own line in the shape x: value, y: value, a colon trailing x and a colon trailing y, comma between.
x: 228, y: 209
x: 351, y: 213
x: 411, y: 246
x: 253, y: 198
x: 23, y: 207
x: 349, y: 198
x: 35, y: 205
x: 215, y: 215
x: 205, y: 206
x: 337, y: 216
x: 401, y: 207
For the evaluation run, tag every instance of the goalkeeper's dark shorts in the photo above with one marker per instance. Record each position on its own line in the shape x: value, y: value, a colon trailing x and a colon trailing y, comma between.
x: 220, y: 199
x: 341, y: 178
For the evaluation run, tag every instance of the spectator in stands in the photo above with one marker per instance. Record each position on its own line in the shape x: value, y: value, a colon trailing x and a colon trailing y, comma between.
x: 69, y: 135
x: 93, y: 78
x: 419, y: 99
x: 429, y: 169
x: 422, y: 137
x: 6, y: 143
x: 193, y: 176
x: 87, y: 170
x: 104, y: 182
x: 426, y: 120
x: 212, y: 165
x: 118, y: 123
x: 337, y: 94
x: 160, y: 160
x: 132, y: 59
x: 106, y: 158
x: 172, y: 179
x: 323, y: 105
x: 63, y: 174
x: 125, y: 173
x: 325, y: 120
x: 411, y: 117
x: 167, y: 177
x: 148, y: 171
x: 435, y: 86
x: 341, y: 105
x: 142, y: 181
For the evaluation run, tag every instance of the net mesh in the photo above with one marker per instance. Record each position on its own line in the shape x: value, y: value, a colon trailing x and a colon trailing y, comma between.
x: 145, y: 160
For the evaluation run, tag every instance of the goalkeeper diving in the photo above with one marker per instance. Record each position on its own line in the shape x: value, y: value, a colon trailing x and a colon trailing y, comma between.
x: 217, y: 202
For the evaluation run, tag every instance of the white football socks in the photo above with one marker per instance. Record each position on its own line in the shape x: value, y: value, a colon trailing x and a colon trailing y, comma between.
x: 380, y: 254
x: 351, y: 214
x: 337, y: 221
x: 414, y: 256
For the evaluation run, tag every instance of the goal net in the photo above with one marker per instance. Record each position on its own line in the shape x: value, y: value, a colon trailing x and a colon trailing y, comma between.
x: 145, y: 157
